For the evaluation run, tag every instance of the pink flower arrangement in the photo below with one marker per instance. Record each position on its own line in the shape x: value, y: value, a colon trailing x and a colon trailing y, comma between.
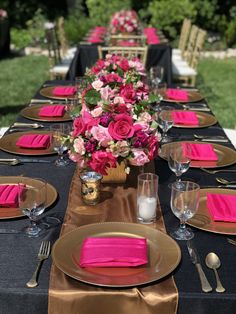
x: 115, y: 122
x: 3, y: 14
x: 124, y: 21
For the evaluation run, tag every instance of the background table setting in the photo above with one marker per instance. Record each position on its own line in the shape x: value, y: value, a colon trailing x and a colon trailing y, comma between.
x: 169, y: 273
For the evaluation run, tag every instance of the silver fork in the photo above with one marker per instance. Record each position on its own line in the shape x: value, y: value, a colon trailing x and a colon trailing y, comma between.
x: 231, y: 241
x: 216, y: 171
x: 43, y: 254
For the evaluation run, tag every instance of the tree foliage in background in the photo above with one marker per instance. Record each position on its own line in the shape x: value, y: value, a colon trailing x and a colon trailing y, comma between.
x: 100, y: 11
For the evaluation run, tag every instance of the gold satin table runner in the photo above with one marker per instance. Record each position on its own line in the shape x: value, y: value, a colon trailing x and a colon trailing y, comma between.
x: 69, y: 296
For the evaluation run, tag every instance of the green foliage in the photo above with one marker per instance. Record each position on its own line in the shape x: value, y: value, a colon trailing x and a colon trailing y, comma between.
x: 168, y: 15
x: 230, y: 33
x: 20, y: 38
x: 206, y: 13
x: 100, y: 11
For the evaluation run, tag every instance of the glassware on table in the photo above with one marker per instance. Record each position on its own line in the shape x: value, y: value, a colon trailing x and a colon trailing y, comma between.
x: 73, y: 107
x: 32, y: 201
x: 178, y: 161
x: 60, y: 142
x: 184, y: 204
x: 165, y: 122
x: 90, y: 187
x: 156, y: 74
x: 147, y: 197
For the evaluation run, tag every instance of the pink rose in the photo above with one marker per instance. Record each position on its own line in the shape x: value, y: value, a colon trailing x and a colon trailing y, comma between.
x: 152, y: 147
x: 101, y: 134
x: 128, y: 93
x: 139, y: 158
x: 101, y: 160
x: 122, y: 127
x: 77, y: 158
x: 79, y: 127
x: 79, y: 146
x: 105, y: 93
x: 124, y: 65
x: 97, y: 84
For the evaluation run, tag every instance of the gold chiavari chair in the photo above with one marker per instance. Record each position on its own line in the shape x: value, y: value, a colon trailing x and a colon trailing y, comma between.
x: 138, y: 40
x: 183, y: 39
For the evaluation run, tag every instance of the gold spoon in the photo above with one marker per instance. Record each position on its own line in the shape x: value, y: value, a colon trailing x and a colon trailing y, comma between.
x: 216, y: 171
x: 224, y: 181
x: 213, y: 262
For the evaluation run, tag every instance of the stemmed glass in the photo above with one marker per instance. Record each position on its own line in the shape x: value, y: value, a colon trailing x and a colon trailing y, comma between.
x: 178, y: 161
x: 184, y: 204
x: 156, y: 75
x: 165, y: 122
x: 60, y: 142
x: 32, y: 201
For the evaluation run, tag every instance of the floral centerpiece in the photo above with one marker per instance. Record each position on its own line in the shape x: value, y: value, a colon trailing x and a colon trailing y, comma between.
x: 3, y: 14
x: 115, y: 122
x: 124, y: 21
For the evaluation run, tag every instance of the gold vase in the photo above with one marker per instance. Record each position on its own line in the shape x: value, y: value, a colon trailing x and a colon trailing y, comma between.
x: 116, y: 175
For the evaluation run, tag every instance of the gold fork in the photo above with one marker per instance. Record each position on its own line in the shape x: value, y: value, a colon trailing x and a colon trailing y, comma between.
x: 231, y: 241
x: 43, y: 254
x: 216, y: 171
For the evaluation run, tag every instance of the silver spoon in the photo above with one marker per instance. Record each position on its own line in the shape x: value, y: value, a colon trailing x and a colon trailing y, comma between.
x: 12, y: 162
x: 224, y: 181
x: 213, y: 262
x: 216, y: 171
x: 30, y: 125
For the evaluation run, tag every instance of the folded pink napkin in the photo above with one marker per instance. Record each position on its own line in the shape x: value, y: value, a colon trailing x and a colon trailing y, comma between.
x: 202, y: 151
x: 9, y: 194
x: 177, y: 94
x: 113, y: 252
x: 185, y: 118
x: 52, y: 111
x: 34, y: 141
x: 64, y: 91
x: 222, y: 207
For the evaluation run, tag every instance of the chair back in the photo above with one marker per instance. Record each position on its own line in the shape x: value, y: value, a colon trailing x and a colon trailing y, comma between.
x: 184, y: 35
x: 127, y: 52
x: 201, y: 36
x: 136, y: 40
x: 53, y: 46
x: 191, y: 44
x: 61, y: 35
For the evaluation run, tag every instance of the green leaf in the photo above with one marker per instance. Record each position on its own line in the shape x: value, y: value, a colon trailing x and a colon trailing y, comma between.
x: 92, y: 97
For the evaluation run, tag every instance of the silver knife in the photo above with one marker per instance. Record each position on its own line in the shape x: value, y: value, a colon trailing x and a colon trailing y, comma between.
x: 24, y: 160
x: 47, y: 101
x: 206, y: 287
x: 7, y: 231
x: 196, y: 108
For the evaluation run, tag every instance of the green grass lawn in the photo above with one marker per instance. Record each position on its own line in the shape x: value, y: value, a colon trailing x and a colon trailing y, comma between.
x: 20, y: 77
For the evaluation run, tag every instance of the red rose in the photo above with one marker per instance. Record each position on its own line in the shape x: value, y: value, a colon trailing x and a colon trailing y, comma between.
x: 128, y: 93
x: 101, y: 160
x: 122, y: 127
x: 79, y: 127
x: 152, y: 147
x: 124, y: 65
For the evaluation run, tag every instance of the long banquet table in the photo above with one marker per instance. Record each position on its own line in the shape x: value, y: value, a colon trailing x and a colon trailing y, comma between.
x: 87, y: 55
x: 18, y: 252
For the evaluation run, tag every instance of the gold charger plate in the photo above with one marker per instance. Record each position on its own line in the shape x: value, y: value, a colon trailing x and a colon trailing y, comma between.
x: 9, y: 213
x: 204, y: 119
x: 32, y: 112
x: 48, y: 92
x: 226, y: 155
x: 202, y: 219
x: 8, y: 144
x: 193, y: 96
x: 162, y: 261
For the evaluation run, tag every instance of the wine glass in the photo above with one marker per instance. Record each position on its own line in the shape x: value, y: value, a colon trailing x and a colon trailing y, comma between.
x: 73, y: 107
x: 60, y: 142
x: 179, y: 161
x: 156, y: 74
x: 165, y: 122
x: 184, y: 204
x: 32, y: 201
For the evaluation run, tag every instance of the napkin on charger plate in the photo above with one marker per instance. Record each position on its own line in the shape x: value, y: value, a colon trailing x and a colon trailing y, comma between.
x: 185, y: 118
x: 177, y: 94
x: 64, y: 91
x: 9, y: 194
x: 36, y: 141
x: 222, y: 207
x: 113, y: 252
x: 52, y: 111
x: 201, y: 151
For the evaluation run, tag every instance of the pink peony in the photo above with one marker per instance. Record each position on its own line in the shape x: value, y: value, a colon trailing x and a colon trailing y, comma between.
x: 128, y: 93
x: 122, y: 127
x: 139, y: 158
x: 101, y: 134
x: 101, y: 160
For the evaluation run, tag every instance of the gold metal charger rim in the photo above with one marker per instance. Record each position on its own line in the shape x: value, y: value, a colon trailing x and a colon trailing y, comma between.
x: 48, y: 92
x: 205, y: 120
x: 203, y: 220
x: 10, y: 213
x: 226, y: 155
x: 8, y: 144
x: 32, y: 112
x: 161, y: 261
x: 193, y: 96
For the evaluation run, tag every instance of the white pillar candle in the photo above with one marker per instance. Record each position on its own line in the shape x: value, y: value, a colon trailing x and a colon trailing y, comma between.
x: 147, y: 207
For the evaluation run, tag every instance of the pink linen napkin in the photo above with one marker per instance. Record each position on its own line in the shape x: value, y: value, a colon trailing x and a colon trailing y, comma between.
x: 185, y: 118
x: 9, y: 195
x: 64, y: 91
x: 52, y: 111
x: 113, y: 252
x: 222, y: 207
x: 177, y: 94
x: 199, y: 151
x: 39, y: 141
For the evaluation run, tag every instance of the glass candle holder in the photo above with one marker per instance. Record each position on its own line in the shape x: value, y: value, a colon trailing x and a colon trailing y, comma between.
x: 90, y: 187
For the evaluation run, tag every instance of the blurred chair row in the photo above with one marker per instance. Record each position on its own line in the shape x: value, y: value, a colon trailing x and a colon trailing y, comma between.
x: 59, y: 53
x: 185, y: 59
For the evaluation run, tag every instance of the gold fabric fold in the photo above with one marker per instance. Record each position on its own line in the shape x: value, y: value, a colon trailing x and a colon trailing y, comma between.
x: 67, y: 295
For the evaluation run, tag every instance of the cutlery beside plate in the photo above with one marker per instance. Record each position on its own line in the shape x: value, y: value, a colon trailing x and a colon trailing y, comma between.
x: 16, y: 161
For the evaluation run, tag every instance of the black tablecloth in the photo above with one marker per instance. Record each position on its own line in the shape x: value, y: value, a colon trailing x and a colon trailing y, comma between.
x: 87, y: 55
x: 18, y: 253
x: 4, y: 37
